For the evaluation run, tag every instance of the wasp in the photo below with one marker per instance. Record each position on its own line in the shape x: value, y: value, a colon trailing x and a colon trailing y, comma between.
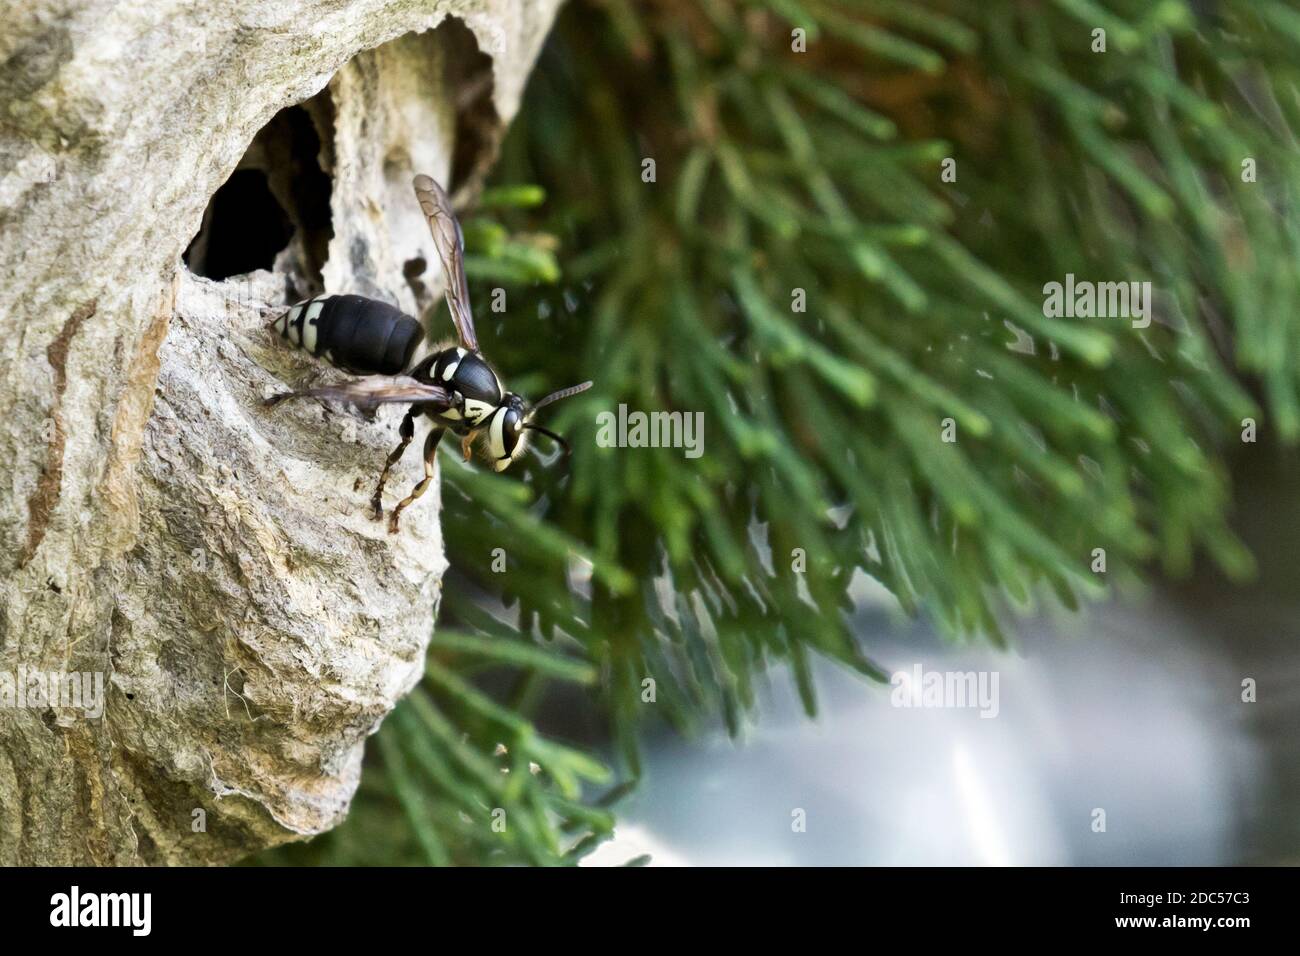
x: 453, y: 386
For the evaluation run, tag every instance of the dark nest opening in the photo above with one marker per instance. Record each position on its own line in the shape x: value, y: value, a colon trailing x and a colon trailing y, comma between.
x: 274, y: 210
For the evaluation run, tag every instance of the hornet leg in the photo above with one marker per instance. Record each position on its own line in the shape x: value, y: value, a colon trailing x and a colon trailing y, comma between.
x: 466, y: 446
x: 430, y: 453
x: 407, y: 432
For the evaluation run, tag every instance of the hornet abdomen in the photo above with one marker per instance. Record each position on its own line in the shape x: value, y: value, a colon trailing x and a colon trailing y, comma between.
x: 359, y: 335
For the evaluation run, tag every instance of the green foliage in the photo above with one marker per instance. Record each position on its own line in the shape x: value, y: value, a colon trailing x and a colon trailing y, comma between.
x: 820, y: 171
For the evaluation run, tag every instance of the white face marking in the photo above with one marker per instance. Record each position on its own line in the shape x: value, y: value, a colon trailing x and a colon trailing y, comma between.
x: 497, y: 441
x: 521, y: 446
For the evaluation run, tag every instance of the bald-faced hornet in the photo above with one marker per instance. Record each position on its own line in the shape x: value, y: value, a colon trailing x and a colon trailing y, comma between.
x: 454, y: 386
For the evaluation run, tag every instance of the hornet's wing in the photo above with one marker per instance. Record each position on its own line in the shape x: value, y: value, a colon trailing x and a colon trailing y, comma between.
x: 368, y: 394
x: 450, y: 243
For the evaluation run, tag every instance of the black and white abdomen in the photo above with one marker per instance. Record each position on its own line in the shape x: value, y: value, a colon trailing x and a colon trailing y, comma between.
x: 359, y: 335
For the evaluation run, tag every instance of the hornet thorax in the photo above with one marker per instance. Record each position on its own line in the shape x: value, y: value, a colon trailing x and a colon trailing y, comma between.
x: 476, y: 389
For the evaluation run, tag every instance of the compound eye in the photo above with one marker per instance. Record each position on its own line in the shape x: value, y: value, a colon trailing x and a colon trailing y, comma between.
x: 509, y: 431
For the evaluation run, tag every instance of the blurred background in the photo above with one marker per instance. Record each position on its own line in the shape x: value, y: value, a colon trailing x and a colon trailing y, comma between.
x: 1134, y: 707
x: 826, y: 226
